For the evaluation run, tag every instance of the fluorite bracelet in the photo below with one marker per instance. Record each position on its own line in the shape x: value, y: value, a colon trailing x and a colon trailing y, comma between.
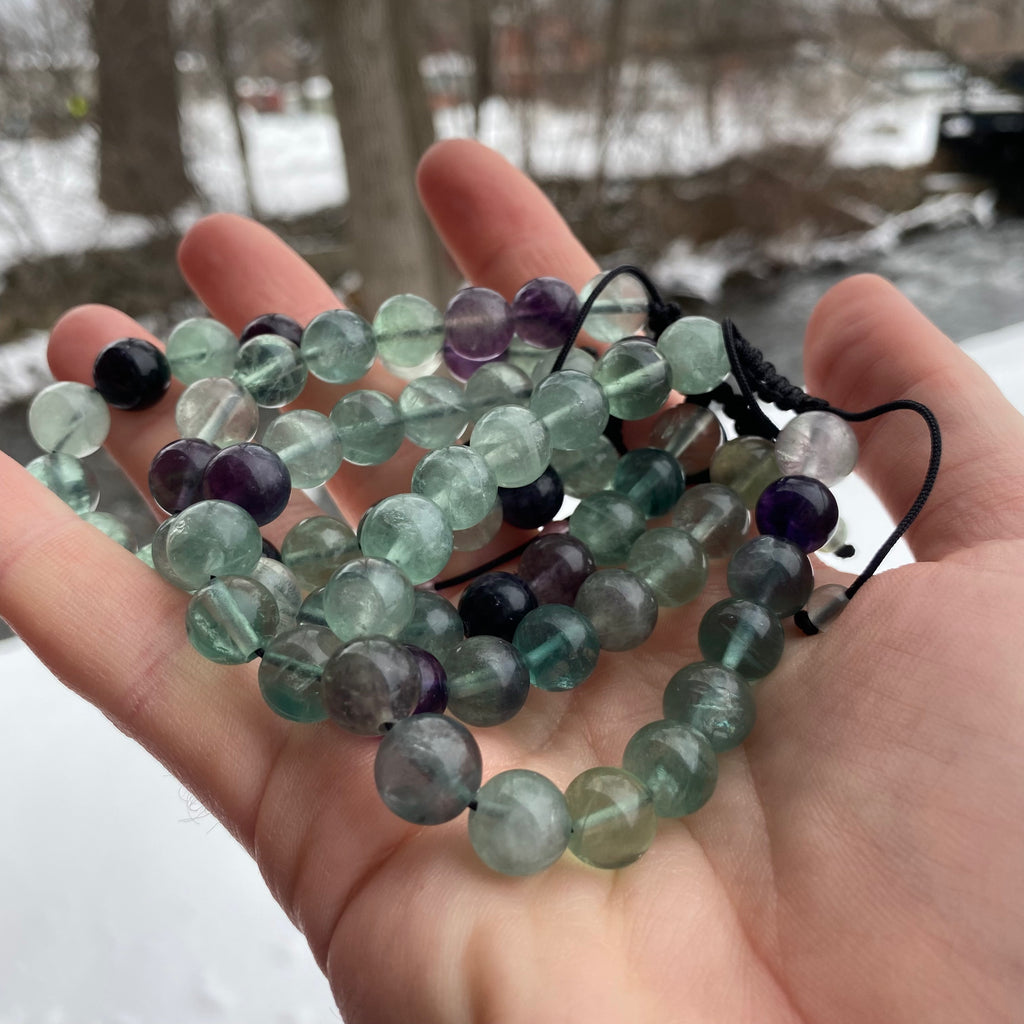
x: 380, y: 657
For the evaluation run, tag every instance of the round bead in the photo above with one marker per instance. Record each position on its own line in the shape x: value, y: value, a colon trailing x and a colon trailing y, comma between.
x: 621, y: 607
x: 433, y: 411
x: 613, y: 819
x: 410, y: 531
x: 69, y: 418
x: 826, y: 604
x: 435, y: 626
x: 176, y: 473
x: 747, y: 466
x: 636, y: 378
x: 520, y: 823
x: 478, y: 323
x: 111, y: 526
x: 306, y: 443
x: 69, y: 478
x: 496, y: 384
x: 251, y: 476
x: 271, y: 369
x: 528, y: 357
x: 158, y: 553
x: 676, y: 763
x: 799, y: 509
x: 836, y: 539
x: 494, y: 604
x: 514, y: 443
x: 488, y: 681
x: 578, y: 360
x: 200, y: 348
x: 714, y: 701
x: 211, y: 538
x: 291, y: 671
x: 433, y: 683
x: 651, y: 478
x: 145, y: 554
x: 715, y: 516
x: 283, y: 587
x: 272, y: 323
x: 671, y: 563
x: 743, y: 636
x: 476, y: 537
x: 317, y: 546
x: 369, y: 684
x: 559, y: 645
x: 818, y: 444
x: 608, y: 523
x: 572, y: 406
x: 312, y: 611
x: 217, y: 410
x: 587, y: 470
x: 231, y: 619
x: 459, y: 482
x: 409, y: 331
x: 131, y: 374
x: 428, y: 769
x: 462, y: 368
x: 689, y: 432
x: 338, y: 346
x: 695, y: 349
x: 535, y: 504
x: 369, y: 426
x: 544, y: 312
x: 366, y: 597
x: 772, y: 572
x: 619, y: 311
x: 554, y: 566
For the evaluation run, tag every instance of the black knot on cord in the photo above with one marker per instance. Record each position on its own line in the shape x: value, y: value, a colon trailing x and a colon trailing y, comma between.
x: 660, y: 315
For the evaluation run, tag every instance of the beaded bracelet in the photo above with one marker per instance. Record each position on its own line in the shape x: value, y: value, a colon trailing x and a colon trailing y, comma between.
x: 379, y: 657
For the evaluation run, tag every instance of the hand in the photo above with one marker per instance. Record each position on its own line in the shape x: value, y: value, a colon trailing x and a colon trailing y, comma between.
x: 861, y: 857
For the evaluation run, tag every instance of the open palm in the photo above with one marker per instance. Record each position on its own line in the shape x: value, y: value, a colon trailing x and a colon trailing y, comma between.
x: 861, y: 859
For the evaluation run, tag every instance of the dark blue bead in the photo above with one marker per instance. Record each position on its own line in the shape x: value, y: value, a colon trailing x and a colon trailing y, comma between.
x: 251, y: 476
x: 176, y: 473
x: 533, y: 505
x: 131, y: 374
x: 272, y: 323
x: 799, y: 509
x: 495, y: 604
x: 433, y: 682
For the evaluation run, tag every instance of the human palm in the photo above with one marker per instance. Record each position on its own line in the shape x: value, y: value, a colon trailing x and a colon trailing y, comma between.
x: 860, y: 859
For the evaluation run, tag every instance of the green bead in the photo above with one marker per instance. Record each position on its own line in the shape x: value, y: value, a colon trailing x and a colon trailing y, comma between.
x: 368, y: 596
x: 158, y: 551
x: 476, y: 537
x: 410, y: 531
x: 672, y: 564
x: 369, y: 426
x: 636, y: 378
x: 497, y: 384
x: 145, y: 554
x: 283, y: 587
x: 747, y: 466
x: 613, y: 819
x: 577, y: 360
x: 291, y: 670
x: 609, y: 524
x: 743, y: 636
x: 524, y: 357
x: 435, y: 625
x: 409, y: 332
x: 312, y: 611
x: 69, y: 418
x: 271, y: 369
x: 573, y: 408
x: 69, y: 478
x: 520, y: 823
x: 559, y: 646
x: 714, y: 701
x: 676, y: 763
x: 111, y: 526
x: 434, y: 411
x: 514, y: 443
x: 488, y: 681
x: 211, y: 538
x: 317, y: 546
x: 231, y: 619
x: 651, y: 478
x: 459, y: 482
x: 307, y: 444
x: 338, y: 346
x: 621, y: 608
x: 695, y: 349
x: 619, y: 311
x: 587, y: 470
x: 200, y: 348
x: 217, y: 410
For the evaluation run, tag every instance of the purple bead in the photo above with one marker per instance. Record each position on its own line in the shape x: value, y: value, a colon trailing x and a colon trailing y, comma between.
x: 544, y: 312
x: 534, y: 504
x: 554, y: 567
x: 272, y: 323
x: 494, y: 604
x: 478, y: 323
x: 433, y: 682
x: 462, y: 368
x: 131, y: 374
x: 799, y: 509
x: 176, y: 473
x: 251, y: 476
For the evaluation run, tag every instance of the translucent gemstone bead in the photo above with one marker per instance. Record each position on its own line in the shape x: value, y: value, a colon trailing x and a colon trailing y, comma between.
x: 520, y: 823
x: 818, y: 444
x: 676, y: 763
x: 433, y: 411
x: 476, y: 537
x: 826, y: 604
x: 251, y: 476
x: 368, y: 596
x: 651, y: 478
x: 743, y: 636
x: 715, y: 516
x: 231, y: 619
x: 836, y: 539
x: 291, y: 671
x: 544, y: 312
x: 554, y: 566
x: 211, y: 538
x: 217, y: 410
x: 69, y: 478
x: 283, y: 587
x: 671, y: 563
x: 478, y: 323
x: 317, y: 546
x: 435, y: 625
x: 272, y: 370
x: 131, y: 373
x: 773, y: 572
x: 559, y: 645
x: 459, y: 482
x: 691, y: 433
x: 514, y: 443
x: 69, y: 418
x: 111, y: 526
x: 200, y: 348
x: 410, y: 531
x: 798, y: 509
x: 312, y: 611
x: 494, y: 604
x: 747, y: 466
x: 369, y: 426
x: 428, y: 769
x: 714, y: 701
x: 636, y: 378
x: 587, y: 470
x: 526, y: 357
x: 576, y: 359
x: 695, y: 349
x: 306, y: 443
x: 369, y: 684
x: 158, y: 551
x: 534, y: 504
x: 620, y: 606
x: 176, y: 473
x: 496, y: 384
x: 433, y: 683
x: 572, y: 406
x: 488, y: 681
x: 613, y: 819
x: 619, y: 311
x: 272, y: 323
x: 462, y: 368
x: 145, y: 554
x: 608, y: 523
x: 338, y: 346
x: 409, y: 331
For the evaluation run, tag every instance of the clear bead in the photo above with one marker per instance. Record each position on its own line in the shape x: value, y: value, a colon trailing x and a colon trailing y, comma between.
x: 271, y: 369
x: 218, y: 411
x: 636, y: 378
x: 338, y: 346
x: 819, y: 444
x: 514, y: 443
x: 695, y: 349
x: 307, y: 444
x: 690, y: 432
x: 69, y: 478
x: 619, y: 311
x: 573, y: 407
x: 69, y: 418
x: 200, y: 348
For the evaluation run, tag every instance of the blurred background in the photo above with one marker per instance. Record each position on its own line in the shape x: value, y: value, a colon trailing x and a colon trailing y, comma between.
x: 748, y: 153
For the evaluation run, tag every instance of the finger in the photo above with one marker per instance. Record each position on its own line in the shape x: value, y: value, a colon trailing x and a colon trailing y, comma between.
x: 867, y: 345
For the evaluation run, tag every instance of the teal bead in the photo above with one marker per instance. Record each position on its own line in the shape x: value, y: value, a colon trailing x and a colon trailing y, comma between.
x: 291, y: 671
x: 338, y: 346
x: 613, y: 819
x: 200, y: 348
x: 368, y: 596
x: 573, y: 407
x: 619, y: 311
x: 231, y: 619
x: 651, y: 478
x: 317, y: 546
x: 773, y: 572
x: 559, y: 646
x: 609, y: 524
x: 283, y: 587
x: 520, y: 823
x: 410, y: 531
x: 695, y: 349
x: 218, y: 411
x: 212, y: 538
x: 434, y: 411
x: 111, y: 526
x: 676, y: 763
x: 69, y: 418
x: 476, y: 537
x: 145, y: 554
x: 620, y: 606
x: 435, y: 626
x: 524, y: 356
x: 743, y: 636
x: 488, y: 681
x: 158, y: 551
x: 747, y: 466
x: 409, y: 332
x: 308, y: 446
x: 459, y: 482
x: 369, y: 426
x: 312, y: 611
x: 671, y: 562
x: 636, y: 378
x: 271, y: 369
x: 577, y: 359
x: 69, y: 478
x: 715, y: 516
x: 587, y: 470
x: 497, y: 384
x: 713, y: 700
x: 514, y: 443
